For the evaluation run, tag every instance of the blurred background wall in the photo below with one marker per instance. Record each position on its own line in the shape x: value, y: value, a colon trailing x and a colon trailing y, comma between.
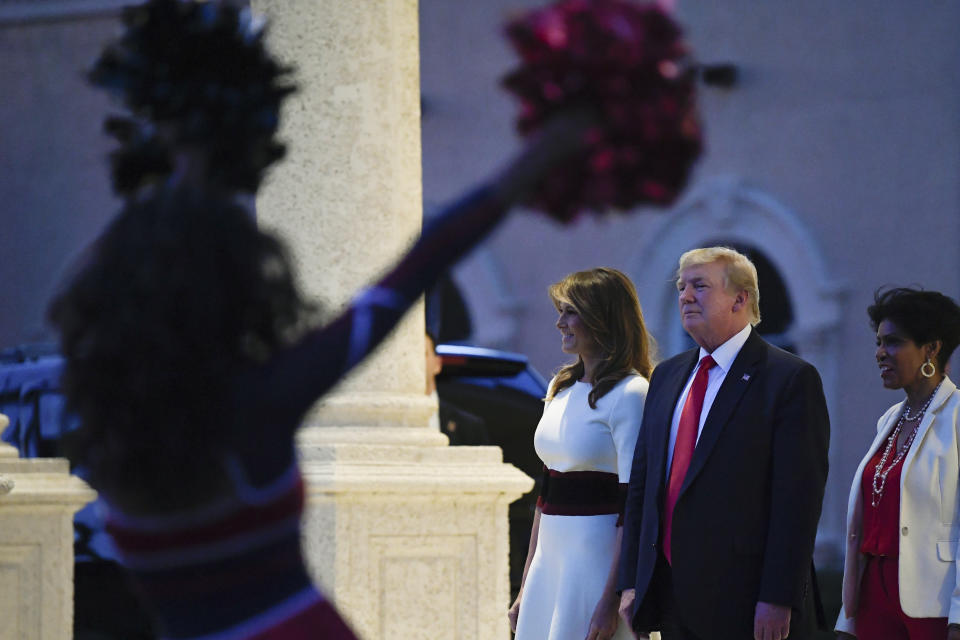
x: 833, y: 160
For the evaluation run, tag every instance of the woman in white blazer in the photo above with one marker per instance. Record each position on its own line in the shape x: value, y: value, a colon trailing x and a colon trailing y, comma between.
x: 903, y: 522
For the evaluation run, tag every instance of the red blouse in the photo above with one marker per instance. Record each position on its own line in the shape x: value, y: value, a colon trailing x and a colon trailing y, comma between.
x: 881, y: 524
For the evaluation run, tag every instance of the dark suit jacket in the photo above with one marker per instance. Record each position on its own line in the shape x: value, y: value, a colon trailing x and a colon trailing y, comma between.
x: 746, y: 518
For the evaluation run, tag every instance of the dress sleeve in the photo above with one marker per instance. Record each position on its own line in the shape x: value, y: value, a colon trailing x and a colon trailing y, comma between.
x: 296, y: 376
x: 625, y: 418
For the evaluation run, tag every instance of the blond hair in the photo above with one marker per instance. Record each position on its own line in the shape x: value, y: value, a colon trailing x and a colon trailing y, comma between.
x: 739, y: 273
x: 607, y: 303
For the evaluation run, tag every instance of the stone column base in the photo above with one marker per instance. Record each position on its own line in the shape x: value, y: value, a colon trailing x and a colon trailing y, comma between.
x: 410, y: 541
x: 38, y: 498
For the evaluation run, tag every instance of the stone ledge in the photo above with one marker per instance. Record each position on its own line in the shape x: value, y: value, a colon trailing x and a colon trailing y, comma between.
x: 420, y: 436
x: 392, y: 453
x: 40, y: 489
x: 42, y: 482
x: 372, y: 409
x: 34, y: 465
x: 373, y: 469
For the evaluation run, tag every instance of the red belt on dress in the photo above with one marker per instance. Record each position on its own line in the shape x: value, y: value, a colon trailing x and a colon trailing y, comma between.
x: 582, y: 493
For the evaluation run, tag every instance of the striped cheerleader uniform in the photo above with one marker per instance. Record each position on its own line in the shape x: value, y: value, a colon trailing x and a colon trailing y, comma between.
x: 232, y: 569
x: 240, y: 558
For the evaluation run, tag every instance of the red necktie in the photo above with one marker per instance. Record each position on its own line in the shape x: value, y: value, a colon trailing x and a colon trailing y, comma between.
x: 684, y: 445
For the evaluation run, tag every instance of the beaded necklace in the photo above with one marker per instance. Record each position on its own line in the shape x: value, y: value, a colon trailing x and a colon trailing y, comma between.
x: 880, y: 474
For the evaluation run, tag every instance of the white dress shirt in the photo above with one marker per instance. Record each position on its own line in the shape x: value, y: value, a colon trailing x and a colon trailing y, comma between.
x: 724, y: 355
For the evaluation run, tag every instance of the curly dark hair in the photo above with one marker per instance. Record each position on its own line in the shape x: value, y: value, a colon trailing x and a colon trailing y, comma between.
x: 180, y: 292
x: 925, y: 316
x: 195, y: 76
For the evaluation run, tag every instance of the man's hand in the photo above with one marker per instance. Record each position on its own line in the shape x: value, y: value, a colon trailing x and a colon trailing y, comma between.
x: 771, y: 622
x: 626, y: 605
x: 626, y: 612
x: 603, y: 624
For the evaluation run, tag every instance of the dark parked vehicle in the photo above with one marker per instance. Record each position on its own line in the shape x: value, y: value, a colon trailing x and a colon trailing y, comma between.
x: 505, y: 391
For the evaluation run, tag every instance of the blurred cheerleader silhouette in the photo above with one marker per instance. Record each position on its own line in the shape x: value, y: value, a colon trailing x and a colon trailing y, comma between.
x: 191, y: 357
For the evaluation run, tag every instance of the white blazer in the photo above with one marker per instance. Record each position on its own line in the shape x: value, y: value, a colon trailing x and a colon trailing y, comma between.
x: 929, y: 515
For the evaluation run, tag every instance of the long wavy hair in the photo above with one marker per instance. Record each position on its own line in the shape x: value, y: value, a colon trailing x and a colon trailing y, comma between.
x: 179, y: 293
x: 607, y: 303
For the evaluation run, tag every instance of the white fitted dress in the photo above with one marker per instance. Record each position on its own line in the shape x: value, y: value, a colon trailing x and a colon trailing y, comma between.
x: 574, y: 554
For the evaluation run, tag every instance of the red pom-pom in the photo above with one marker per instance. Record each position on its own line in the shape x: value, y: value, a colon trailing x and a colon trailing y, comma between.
x: 627, y: 61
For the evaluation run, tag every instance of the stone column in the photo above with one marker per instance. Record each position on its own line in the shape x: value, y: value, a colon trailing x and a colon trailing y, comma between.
x: 38, y: 498
x: 407, y: 535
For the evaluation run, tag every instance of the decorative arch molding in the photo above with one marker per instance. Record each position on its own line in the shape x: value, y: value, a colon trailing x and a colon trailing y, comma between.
x: 726, y: 210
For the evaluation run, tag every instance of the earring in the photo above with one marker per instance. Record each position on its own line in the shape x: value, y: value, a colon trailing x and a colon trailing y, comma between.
x: 924, y: 369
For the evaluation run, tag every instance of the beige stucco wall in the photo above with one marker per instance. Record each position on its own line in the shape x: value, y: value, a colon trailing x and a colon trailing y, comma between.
x: 845, y: 117
x: 54, y: 186
x: 841, y: 138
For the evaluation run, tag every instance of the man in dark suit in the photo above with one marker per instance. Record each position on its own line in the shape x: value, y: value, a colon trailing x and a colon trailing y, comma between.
x: 728, y: 474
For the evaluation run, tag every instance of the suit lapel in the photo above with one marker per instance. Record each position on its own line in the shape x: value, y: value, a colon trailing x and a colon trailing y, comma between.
x: 742, y: 373
x: 672, y: 389
x: 943, y: 393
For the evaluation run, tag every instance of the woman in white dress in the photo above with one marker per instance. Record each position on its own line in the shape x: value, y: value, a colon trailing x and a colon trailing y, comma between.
x: 586, y: 439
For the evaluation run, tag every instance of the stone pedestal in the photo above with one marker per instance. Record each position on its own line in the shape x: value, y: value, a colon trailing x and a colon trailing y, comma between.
x: 38, y: 498
x: 407, y: 535
x: 412, y: 541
